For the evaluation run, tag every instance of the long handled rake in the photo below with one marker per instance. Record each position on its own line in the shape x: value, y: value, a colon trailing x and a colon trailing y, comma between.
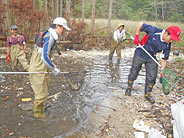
x: 169, y: 79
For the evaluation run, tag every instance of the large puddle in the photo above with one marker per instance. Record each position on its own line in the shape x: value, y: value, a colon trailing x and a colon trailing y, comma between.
x: 70, y: 111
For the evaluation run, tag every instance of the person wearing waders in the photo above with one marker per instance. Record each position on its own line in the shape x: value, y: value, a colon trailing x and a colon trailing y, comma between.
x: 156, y: 40
x: 16, y: 49
x: 118, y: 38
x: 40, y: 62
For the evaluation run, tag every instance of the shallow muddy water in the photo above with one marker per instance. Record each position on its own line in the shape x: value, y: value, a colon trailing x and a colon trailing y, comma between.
x: 69, y: 113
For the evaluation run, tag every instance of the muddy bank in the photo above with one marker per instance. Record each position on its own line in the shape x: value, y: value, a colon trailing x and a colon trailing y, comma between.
x: 98, y: 109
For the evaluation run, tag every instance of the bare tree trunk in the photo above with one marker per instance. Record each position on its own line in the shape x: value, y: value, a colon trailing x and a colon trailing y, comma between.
x: 46, y: 10
x: 93, y: 18
x: 40, y: 5
x: 68, y: 10
x: 52, y: 8
x: 109, y: 19
x: 156, y: 12
x: 45, y: 6
x: 61, y: 8
x: 162, y: 10
x: 7, y: 24
x: 34, y: 4
x: 83, y: 10
x: 57, y: 7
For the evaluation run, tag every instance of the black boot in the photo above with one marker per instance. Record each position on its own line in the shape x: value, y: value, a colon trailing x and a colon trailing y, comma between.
x: 147, y: 96
x: 110, y: 58
x: 128, y: 92
x: 129, y: 89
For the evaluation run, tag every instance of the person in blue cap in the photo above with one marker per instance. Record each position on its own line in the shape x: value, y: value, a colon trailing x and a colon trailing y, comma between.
x: 16, y: 49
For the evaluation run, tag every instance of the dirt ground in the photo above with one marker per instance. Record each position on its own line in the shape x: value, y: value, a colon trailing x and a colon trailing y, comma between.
x: 116, y: 120
x: 98, y: 110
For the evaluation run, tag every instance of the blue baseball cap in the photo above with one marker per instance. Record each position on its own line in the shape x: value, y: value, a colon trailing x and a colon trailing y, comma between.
x: 14, y: 27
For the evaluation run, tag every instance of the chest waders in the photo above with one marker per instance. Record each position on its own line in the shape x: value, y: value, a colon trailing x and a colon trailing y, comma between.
x: 40, y: 83
x: 17, y: 55
x: 116, y: 46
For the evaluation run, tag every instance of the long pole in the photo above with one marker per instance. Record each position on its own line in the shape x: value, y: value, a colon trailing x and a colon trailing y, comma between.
x: 139, y: 46
x: 26, y: 73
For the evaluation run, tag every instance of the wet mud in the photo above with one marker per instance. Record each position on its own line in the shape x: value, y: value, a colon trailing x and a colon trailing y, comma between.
x: 99, y: 109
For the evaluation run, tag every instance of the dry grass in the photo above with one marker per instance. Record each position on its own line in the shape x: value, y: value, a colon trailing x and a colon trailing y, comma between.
x: 130, y: 25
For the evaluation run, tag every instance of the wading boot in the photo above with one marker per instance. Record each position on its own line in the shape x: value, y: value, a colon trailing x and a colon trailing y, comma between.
x: 129, y: 88
x: 148, y: 97
x: 118, y: 61
x: 38, y: 111
x: 110, y: 58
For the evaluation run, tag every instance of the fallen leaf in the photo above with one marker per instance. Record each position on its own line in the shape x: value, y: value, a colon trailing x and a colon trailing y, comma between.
x: 5, y: 98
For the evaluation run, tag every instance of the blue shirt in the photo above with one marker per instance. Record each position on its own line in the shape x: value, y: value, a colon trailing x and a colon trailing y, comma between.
x: 49, y: 41
x: 154, y: 44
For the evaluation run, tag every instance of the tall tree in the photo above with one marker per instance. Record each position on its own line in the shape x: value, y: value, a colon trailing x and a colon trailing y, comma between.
x: 52, y: 8
x: 61, y: 8
x: 3, y: 12
x: 45, y: 6
x: 109, y: 19
x: 7, y: 24
x: 83, y: 10
x: 156, y: 10
x: 56, y: 8
x: 67, y: 13
x: 162, y: 10
x: 34, y: 4
x: 93, y: 18
x: 40, y: 4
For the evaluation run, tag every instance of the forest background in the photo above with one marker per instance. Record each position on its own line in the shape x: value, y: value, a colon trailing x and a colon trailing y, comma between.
x: 96, y: 17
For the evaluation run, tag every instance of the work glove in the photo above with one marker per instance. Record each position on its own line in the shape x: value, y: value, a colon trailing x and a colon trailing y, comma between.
x: 25, y: 52
x: 136, y: 39
x: 8, y: 58
x: 144, y: 40
x: 56, y: 71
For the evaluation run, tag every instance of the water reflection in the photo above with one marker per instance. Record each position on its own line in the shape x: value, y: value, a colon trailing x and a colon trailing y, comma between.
x: 114, y: 70
x: 69, y: 112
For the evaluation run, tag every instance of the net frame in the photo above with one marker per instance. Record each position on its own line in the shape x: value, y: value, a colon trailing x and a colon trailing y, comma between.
x: 169, y: 80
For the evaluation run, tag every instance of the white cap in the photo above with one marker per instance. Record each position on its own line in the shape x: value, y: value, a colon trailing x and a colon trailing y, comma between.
x: 61, y: 21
